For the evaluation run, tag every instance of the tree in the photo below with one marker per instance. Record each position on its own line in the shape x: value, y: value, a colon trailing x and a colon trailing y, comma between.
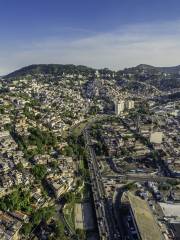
x: 19, y: 166
x: 53, y: 164
x: 26, y: 229
x: 59, y: 230
x: 17, y: 200
x: 68, y: 151
x: 42, y: 214
x: 94, y: 110
x: 39, y: 171
x: 81, y: 234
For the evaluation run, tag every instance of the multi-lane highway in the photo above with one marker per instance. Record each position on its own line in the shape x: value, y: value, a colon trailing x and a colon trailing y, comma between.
x: 107, y: 226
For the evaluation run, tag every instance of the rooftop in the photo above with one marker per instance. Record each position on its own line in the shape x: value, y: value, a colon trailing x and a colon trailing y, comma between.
x: 145, y: 220
x: 170, y: 210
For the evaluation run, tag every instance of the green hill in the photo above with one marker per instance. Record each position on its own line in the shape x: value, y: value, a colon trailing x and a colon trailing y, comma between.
x: 53, y: 69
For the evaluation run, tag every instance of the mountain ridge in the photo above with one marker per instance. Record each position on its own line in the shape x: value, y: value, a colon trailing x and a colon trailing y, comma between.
x: 48, y: 69
x: 80, y: 69
x: 172, y: 69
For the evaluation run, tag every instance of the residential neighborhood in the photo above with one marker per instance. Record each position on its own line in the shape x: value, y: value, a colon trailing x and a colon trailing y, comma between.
x: 82, y: 145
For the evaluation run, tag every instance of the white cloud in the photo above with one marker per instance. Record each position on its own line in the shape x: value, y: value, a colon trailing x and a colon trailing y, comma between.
x: 152, y: 43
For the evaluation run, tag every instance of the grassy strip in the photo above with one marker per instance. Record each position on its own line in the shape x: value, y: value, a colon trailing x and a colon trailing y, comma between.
x: 69, y: 214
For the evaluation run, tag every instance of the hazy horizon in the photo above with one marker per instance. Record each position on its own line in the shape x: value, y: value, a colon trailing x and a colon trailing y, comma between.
x: 84, y: 65
x: 96, y: 34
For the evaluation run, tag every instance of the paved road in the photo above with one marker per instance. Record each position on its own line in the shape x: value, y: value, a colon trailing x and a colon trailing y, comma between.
x: 139, y: 178
x: 106, y: 221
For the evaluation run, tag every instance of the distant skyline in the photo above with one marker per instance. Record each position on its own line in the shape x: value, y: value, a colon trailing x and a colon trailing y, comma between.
x: 96, y: 33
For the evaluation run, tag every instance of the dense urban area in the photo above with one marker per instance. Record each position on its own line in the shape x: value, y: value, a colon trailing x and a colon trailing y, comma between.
x: 90, y: 154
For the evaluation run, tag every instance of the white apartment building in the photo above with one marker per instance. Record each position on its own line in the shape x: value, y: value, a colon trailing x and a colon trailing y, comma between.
x: 119, y: 107
x: 129, y: 104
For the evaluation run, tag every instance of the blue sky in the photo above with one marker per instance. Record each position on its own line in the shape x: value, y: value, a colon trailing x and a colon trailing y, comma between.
x: 98, y: 33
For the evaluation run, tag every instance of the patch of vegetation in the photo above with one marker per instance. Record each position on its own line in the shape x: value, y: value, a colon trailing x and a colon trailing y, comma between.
x: 59, y: 231
x: 19, y: 167
x: 81, y: 233
x: 39, y: 171
x: 42, y: 140
x: 69, y: 214
x: 42, y: 214
x: 17, y: 200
